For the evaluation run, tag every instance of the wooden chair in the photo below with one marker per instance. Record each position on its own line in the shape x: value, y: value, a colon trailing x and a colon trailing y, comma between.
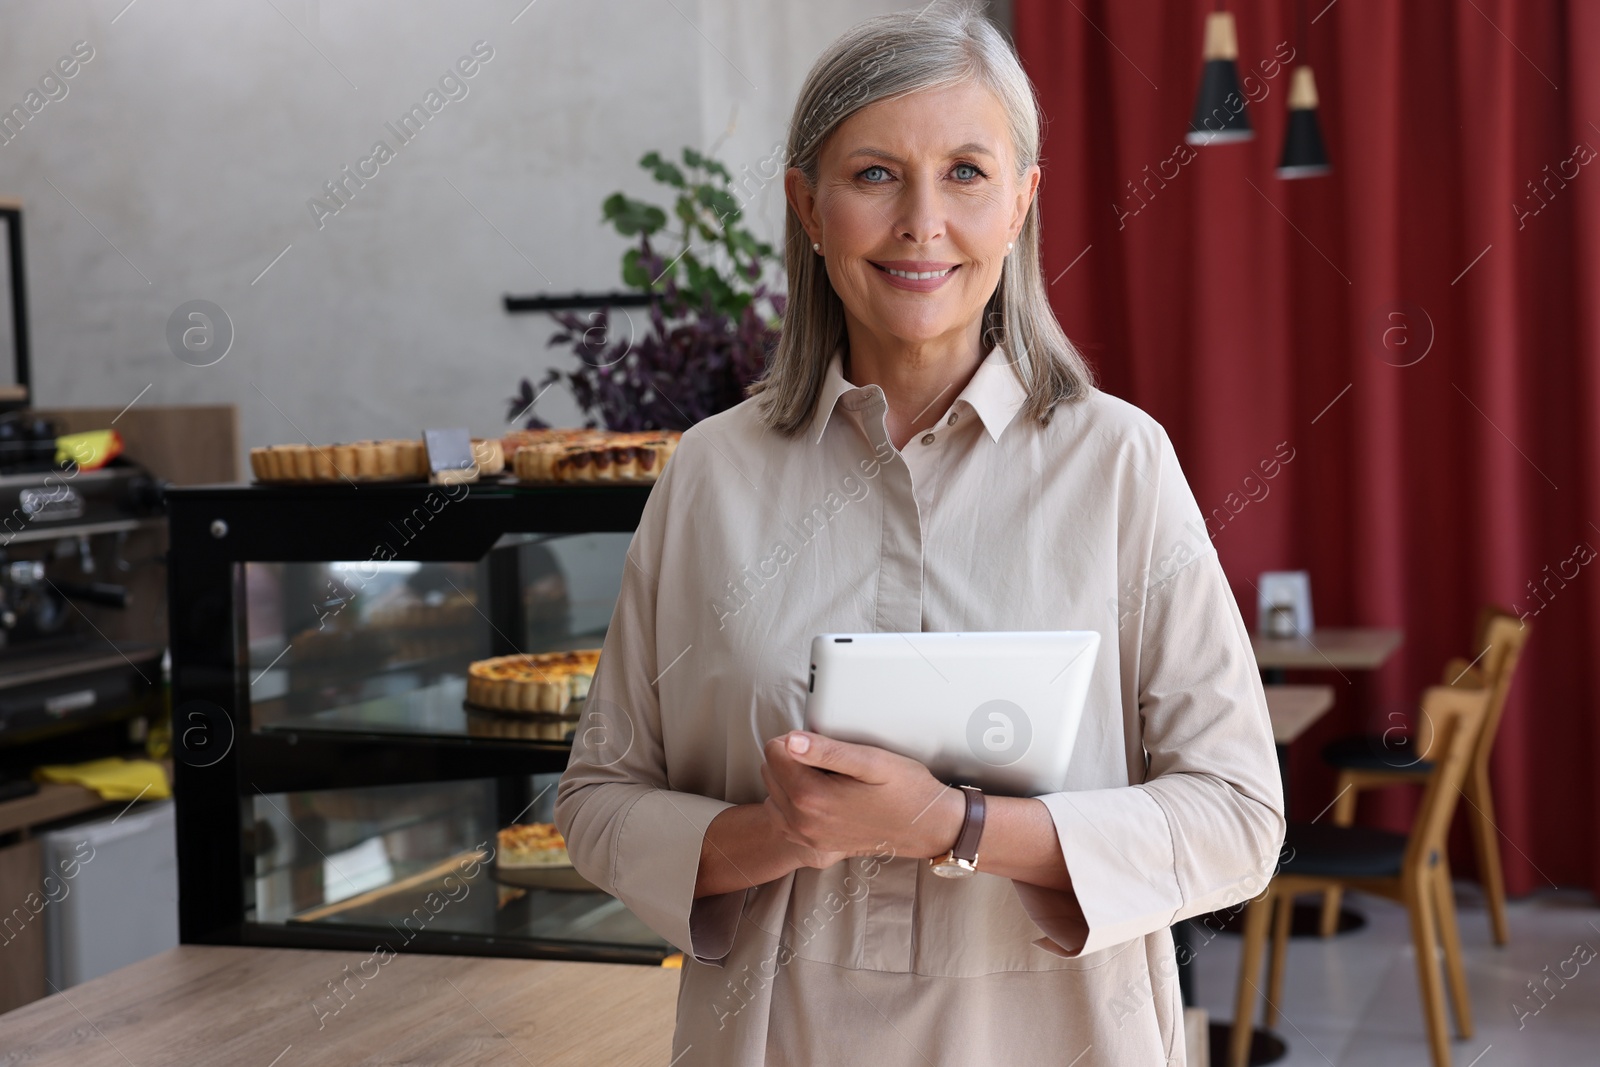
x: 1371, y: 762
x: 1411, y: 869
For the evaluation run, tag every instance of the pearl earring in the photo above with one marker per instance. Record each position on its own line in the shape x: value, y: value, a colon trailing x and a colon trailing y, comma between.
x: 1008, y: 246
x: 816, y: 246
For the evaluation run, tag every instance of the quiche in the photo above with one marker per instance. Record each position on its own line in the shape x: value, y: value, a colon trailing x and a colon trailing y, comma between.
x: 534, y: 844
x: 544, y: 682
x: 584, y: 456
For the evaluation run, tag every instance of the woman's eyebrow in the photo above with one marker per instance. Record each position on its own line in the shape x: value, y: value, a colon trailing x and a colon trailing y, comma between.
x: 971, y: 148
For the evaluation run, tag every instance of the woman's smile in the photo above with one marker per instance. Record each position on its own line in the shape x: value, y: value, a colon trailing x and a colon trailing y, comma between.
x: 917, y: 276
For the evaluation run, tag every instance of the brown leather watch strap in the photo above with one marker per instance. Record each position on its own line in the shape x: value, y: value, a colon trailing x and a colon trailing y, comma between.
x: 966, y: 846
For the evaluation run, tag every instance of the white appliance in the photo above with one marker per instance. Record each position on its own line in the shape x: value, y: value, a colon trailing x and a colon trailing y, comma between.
x: 112, y: 888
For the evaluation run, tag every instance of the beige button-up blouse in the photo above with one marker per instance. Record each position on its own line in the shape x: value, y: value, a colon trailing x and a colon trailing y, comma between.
x: 751, y: 543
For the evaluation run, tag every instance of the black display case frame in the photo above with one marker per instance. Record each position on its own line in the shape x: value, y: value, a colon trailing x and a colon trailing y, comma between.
x: 220, y: 762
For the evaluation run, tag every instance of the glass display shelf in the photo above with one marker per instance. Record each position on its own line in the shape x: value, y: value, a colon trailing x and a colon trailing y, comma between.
x: 410, y: 708
x: 479, y: 907
x: 413, y: 865
x: 382, y: 648
x: 438, y: 710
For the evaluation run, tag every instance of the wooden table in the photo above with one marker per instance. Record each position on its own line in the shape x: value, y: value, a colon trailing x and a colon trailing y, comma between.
x: 1293, y: 708
x: 1359, y: 648
x: 277, y: 1008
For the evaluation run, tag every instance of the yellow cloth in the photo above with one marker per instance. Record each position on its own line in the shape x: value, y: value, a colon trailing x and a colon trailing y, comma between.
x: 113, y: 779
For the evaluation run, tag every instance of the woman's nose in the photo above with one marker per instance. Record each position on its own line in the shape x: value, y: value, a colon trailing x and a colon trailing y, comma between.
x: 920, y: 218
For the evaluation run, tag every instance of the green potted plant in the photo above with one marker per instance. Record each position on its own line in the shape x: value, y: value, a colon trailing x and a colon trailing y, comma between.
x: 713, y: 318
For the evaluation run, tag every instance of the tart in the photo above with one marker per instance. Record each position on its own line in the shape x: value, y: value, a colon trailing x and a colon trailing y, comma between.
x: 402, y: 459
x: 535, y: 844
x: 489, y: 454
x: 555, y: 435
x: 595, y: 456
x: 542, y: 683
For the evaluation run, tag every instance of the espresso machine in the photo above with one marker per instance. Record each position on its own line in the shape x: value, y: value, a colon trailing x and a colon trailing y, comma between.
x: 66, y: 573
x: 82, y: 580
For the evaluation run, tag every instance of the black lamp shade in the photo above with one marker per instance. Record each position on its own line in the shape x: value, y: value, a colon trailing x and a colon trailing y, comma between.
x: 1303, y: 153
x: 1220, y: 116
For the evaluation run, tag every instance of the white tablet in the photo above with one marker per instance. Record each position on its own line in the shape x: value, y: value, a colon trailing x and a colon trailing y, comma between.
x: 999, y: 710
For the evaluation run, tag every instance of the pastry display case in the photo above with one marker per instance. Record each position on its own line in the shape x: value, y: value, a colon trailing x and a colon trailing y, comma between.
x: 345, y: 777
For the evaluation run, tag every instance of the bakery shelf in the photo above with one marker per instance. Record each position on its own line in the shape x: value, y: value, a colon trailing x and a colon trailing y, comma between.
x: 321, y: 636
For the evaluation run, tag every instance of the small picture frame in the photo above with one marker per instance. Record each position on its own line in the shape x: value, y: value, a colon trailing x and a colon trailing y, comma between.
x: 1284, y: 606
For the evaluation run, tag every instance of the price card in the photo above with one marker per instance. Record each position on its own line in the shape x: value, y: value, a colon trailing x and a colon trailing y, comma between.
x: 450, y: 458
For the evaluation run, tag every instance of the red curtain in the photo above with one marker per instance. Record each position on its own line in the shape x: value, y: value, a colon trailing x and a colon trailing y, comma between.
x: 1421, y: 328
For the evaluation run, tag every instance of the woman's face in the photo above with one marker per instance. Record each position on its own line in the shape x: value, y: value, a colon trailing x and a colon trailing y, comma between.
x: 925, y: 184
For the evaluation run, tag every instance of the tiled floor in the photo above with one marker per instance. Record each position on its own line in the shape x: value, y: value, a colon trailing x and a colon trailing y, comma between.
x: 1352, y: 1001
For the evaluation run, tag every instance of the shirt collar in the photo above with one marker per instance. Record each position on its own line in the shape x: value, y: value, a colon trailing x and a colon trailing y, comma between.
x: 994, y: 392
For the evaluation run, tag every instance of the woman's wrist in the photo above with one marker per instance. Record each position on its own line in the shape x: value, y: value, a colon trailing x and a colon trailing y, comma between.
x: 943, y: 821
x: 744, y: 847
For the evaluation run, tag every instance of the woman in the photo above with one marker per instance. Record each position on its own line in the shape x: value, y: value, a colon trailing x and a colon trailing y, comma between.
x: 926, y: 452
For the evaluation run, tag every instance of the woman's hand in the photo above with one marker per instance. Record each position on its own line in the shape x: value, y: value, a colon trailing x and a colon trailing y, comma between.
x: 873, y: 801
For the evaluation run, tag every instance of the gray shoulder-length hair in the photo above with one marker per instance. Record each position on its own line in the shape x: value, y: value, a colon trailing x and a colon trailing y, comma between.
x: 886, y: 56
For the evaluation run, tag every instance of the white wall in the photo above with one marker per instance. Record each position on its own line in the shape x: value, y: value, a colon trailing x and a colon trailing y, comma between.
x: 194, y: 138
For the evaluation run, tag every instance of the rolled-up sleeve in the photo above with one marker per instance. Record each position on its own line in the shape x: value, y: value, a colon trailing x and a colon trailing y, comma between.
x: 627, y: 830
x: 1201, y: 828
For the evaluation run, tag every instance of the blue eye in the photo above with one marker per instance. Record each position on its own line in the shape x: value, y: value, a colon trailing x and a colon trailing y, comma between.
x: 868, y: 173
x: 971, y: 172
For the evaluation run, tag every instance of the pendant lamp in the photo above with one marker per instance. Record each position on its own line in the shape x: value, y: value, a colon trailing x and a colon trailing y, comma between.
x: 1219, y: 111
x: 1303, y: 153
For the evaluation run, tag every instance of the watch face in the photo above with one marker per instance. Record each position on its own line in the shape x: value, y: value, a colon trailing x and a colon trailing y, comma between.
x: 950, y: 867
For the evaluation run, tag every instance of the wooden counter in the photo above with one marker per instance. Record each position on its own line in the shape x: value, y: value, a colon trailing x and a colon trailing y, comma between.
x: 54, y: 800
x: 277, y: 1008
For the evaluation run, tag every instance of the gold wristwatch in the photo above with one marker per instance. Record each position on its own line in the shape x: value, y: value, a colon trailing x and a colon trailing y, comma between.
x: 962, y: 859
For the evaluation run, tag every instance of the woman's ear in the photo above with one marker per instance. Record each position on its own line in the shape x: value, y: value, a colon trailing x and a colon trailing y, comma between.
x: 1027, y: 189
x: 803, y: 199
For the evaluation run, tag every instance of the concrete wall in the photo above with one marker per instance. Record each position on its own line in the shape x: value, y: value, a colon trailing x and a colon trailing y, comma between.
x: 179, y: 163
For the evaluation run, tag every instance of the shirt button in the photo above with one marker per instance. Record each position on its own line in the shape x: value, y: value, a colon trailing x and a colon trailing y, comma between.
x: 927, y: 438
x: 951, y: 421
